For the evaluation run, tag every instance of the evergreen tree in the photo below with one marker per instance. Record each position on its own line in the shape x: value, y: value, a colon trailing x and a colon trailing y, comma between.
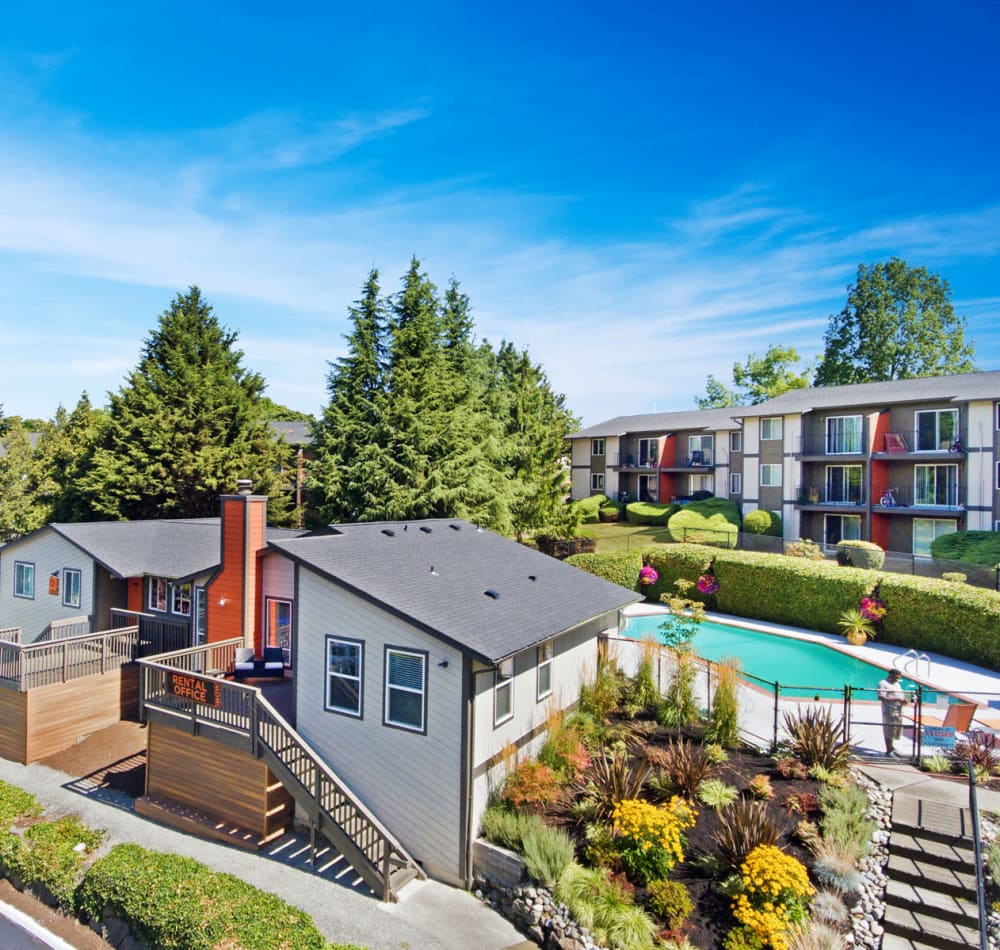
x: 898, y: 323
x: 185, y: 426
x: 25, y: 499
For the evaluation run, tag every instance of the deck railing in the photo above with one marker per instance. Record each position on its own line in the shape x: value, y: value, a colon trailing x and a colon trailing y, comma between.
x: 242, y: 711
x: 156, y: 634
x: 25, y: 666
x: 10, y: 635
x: 64, y: 629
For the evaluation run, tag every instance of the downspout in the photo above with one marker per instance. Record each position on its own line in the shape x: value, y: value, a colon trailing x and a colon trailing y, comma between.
x: 469, y: 775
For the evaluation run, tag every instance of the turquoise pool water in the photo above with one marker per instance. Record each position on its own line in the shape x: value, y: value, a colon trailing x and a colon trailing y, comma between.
x: 802, y: 664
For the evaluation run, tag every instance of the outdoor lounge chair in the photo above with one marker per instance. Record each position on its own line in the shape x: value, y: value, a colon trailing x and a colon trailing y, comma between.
x: 272, y: 664
x: 958, y: 715
x: 243, y: 662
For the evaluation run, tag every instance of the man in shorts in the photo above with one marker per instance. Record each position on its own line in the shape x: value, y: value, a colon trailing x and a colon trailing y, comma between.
x: 892, y: 699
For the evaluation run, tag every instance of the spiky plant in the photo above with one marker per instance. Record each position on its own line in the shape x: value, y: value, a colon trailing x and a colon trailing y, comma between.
x: 717, y: 794
x: 611, y: 778
x: 815, y: 738
x: 743, y: 827
x: 835, y: 865
x: 686, y: 765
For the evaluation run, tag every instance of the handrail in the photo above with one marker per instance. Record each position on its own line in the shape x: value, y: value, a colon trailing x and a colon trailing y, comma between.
x: 10, y: 635
x: 977, y: 845
x: 910, y: 659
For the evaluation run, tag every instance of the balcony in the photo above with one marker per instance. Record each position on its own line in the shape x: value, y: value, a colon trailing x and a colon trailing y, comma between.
x: 925, y: 504
x: 840, y: 446
x: 821, y: 497
x: 628, y: 461
x: 906, y: 446
x: 700, y: 461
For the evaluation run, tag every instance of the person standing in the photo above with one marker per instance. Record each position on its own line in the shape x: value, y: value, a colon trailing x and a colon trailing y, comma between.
x: 892, y: 699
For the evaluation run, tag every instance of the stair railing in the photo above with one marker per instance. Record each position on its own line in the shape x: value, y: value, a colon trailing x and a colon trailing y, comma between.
x: 977, y: 845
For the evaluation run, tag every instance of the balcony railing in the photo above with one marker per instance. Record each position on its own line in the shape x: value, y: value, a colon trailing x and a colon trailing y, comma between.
x: 904, y: 497
x: 631, y: 460
x: 831, y: 444
x: 822, y: 495
x: 156, y: 634
x: 917, y: 443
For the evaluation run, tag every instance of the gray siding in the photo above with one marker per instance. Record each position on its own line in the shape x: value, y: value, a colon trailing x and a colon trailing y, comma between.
x: 49, y: 553
x: 412, y: 782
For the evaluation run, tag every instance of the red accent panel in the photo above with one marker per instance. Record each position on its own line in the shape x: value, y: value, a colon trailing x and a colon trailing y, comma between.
x: 880, y: 531
x: 881, y: 430
x: 668, y: 455
x: 134, y: 594
x: 880, y: 479
x: 666, y: 488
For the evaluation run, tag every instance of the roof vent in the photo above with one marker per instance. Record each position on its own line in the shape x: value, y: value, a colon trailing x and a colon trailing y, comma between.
x: 531, y: 577
x: 425, y: 529
x: 492, y: 594
x: 405, y: 526
x: 244, y: 486
x: 455, y: 527
x: 388, y: 532
x: 433, y: 572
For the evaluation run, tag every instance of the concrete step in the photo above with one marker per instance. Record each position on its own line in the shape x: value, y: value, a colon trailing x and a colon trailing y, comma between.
x: 921, y: 873
x: 925, y: 930
x: 914, y: 844
x: 942, y: 905
x: 948, y: 819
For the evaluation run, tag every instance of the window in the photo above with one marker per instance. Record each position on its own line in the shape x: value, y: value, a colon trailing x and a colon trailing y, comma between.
x: 71, y: 587
x: 344, y: 665
x: 937, y: 429
x: 998, y: 416
x: 843, y: 484
x: 503, y: 692
x: 701, y: 483
x: 998, y: 477
x: 180, y: 599
x: 649, y: 453
x: 24, y: 580
x: 735, y: 483
x: 545, y: 670
x: 200, y: 616
x: 935, y: 485
x: 843, y: 435
x: 770, y: 429
x: 597, y: 481
x: 700, y: 449
x: 279, y: 626
x: 770, y: 475
x: 736, y: 441
x: 648, y: 487
x: 158, y: 594
x: 405, y: 689
x: 597, y: 446
x: 925, y: 530
x: 841, y: 528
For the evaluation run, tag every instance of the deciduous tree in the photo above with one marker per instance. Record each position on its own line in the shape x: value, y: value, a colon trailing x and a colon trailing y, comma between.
x: 758, y: 379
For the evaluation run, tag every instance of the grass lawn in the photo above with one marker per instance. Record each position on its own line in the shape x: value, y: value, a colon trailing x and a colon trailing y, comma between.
x: 622, y: 536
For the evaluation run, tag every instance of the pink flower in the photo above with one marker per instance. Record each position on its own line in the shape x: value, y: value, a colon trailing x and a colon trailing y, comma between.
x: 707, y: 584
x: 648, y: 575
x: 872, y: 609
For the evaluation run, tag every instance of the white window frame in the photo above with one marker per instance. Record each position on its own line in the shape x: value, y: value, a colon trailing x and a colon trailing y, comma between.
x: 158, y: 586
x: 704, y: 444
x: 180, y: 599
x: 997, y: 483
x: 736, y: 440
x: 597, y: 446
x: 651, y: 484
x: 917, y: 503
x: 597, y: 481
x: 950, y: 523
x: 272, y: 636
x: 503, y: 693
x: 701, y: 483
x: 67, y: 598
x: 844, y: 519
x: 647, y: 459
x: 24, y: 579
x: 997, y: 408
x: 735, y: 483
x: 357, y: 711
x: 767, y: 426
x: 389, y: 687
x: 937, y: 447
x: 833, y: 441
x: 200, y: 625
x: 545, y: 652
x: 767, y: 470
x: 845, y: 491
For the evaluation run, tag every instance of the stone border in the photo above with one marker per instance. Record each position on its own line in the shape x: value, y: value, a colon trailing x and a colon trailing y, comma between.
x: 867, y: 913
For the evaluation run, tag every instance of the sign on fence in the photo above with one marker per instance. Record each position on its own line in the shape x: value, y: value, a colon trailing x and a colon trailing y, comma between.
x: 206, y: 692
x: 938, y: 737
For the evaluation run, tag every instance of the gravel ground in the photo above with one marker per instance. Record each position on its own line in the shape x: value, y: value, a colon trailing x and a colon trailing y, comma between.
x: 428, y: 916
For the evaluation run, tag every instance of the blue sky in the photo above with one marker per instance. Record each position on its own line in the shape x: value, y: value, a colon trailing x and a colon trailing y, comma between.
x: 639, y: 195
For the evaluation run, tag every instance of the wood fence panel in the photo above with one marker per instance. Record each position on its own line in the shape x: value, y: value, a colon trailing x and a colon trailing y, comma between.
x: 12, y: 724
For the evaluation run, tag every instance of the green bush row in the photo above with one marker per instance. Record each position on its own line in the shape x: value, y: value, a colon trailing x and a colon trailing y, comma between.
x: 588, y: 508
x: 762, y: 521
x: 864, y: 554
x: 168, y: 901
x: 973, y: 547
x: 713, y: 521
x: 923, y: 613
x: 648, y: 512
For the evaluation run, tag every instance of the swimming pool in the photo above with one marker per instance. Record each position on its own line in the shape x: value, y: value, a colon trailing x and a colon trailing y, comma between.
x: 798, y: 663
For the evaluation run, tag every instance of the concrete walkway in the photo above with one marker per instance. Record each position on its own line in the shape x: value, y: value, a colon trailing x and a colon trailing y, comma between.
x: 910, y: 786
x: 429, y: 915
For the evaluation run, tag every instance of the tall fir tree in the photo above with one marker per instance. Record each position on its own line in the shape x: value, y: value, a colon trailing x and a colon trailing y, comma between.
x: 185, y: 426
x: 25, y: 494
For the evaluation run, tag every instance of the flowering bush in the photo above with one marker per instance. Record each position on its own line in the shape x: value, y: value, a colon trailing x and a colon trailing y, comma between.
x: 648, y: 575
x: 775, y: 889
x: 872, y: 609
x: 651, y: 837
x: 707, y: 584
x: 531, y: 786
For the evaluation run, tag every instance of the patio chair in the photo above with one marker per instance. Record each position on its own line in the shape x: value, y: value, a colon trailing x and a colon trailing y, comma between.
x: 895, y: 443
x: 243, y: 662
x: 958, y: 715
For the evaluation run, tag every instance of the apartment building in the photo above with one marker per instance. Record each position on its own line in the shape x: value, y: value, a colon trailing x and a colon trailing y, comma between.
x: 898, y: 462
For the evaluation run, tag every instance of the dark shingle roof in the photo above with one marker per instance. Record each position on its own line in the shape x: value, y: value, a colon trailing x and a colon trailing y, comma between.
x: 436, y: 574
x: 292, y: 431
x: 922, y: 389
x: 657, y: 423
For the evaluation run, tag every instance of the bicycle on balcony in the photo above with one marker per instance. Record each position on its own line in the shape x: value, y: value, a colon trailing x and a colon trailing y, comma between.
x: 888, y: 498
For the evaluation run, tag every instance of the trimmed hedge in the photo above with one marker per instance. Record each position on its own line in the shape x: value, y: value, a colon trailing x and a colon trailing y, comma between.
x: 678, y: 561
x: 972, y: 547
x: 924, y: 613
x: 714, y: 521
x: 171, y: 901
x: 588, y: 508
x: 619, y: 567
x: 863, y: 554
x: 762, y: 521
x: 647, y: 512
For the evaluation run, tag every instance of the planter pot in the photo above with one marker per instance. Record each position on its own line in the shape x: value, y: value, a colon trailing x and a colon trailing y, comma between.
x: 857, y: 638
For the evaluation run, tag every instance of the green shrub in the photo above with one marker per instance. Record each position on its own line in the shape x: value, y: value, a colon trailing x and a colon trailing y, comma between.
x: 680, y: 706
x: 678, y: 562
x: 805, y: 548
x: 973, y: 547
x: 619, y: 567
x: 648, y: 512
x: 547, y: 853
x: 723, y: 718
x: 762, y: 521
x: 46, y: 856
x: 508, y: 828
x: 610, y: 511
x: 714, y: 521
x: 845, y: 821
x: 717, y: 794
x: 954, y: 577
x: 588, y: 508
x: 742, y: 938
x: 670, y: 901
x: 16, y: 803
x: 601, y: 906
x: 864, y: 554
x: 171, y: 901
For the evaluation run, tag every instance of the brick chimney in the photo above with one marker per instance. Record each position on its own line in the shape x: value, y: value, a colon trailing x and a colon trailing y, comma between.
x: 234, y: 593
